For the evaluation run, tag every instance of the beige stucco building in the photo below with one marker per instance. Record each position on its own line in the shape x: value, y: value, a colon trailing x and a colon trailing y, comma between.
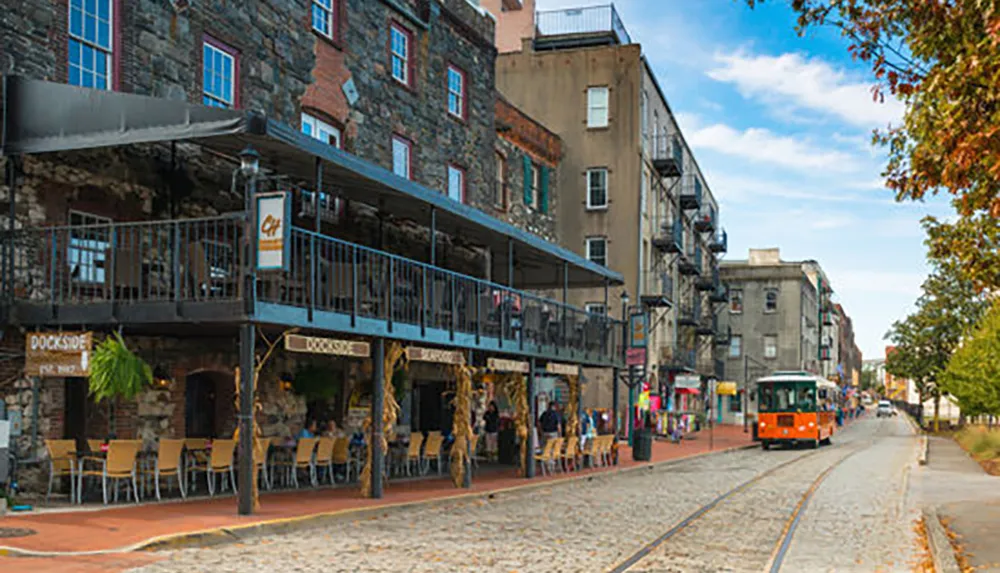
x: 633, y: 196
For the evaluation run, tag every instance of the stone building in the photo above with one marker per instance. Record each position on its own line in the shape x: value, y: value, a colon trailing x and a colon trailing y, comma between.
x: 405, y: 85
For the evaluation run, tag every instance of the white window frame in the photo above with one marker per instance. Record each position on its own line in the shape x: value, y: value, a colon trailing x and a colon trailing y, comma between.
x: 770, y: 350
x: 404, y: 169
x: 597, y: 110
x: 399, y: 53
x: 596, y: 308
x: 93, y: 44
x: 591, y: 204
x: 590, y: 242
x: 735, y: 343
x: 323, y: 11
x: 457, y: 96
x: 321, y: 130
x: 225, y: 100
x: 536, y: 183
x: 644, y: 120
x: 500, y: 198
x: 457, y: 194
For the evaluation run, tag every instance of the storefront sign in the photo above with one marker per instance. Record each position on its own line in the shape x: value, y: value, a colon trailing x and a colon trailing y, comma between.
x: 60, y: 354
x: 504, y: 365
x: 725, y: 388
x: 273, y: 234
x: 317, y: 345
x: 562, y: 369
x: 637, y: 330
x: 687, y: 381
x: 635, y: 357
x: 437, y: 355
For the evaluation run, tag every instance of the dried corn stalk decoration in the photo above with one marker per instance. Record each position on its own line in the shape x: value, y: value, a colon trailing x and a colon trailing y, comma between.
x: 395, y: 358
x: 461, y: 426
x: 516, y: 390
x: 573, y: 407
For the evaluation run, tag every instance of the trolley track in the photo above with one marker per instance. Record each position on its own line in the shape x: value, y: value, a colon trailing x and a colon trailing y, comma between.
x: 784, y: 541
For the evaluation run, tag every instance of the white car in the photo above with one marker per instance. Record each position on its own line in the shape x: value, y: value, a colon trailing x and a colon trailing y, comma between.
x: 885, y: 409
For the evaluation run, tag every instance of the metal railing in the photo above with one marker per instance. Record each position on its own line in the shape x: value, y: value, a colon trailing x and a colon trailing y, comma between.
x: 205, y: 260
x: 589, y: 20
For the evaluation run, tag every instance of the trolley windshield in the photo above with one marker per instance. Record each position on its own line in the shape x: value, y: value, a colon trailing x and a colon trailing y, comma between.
x: 786, y: 396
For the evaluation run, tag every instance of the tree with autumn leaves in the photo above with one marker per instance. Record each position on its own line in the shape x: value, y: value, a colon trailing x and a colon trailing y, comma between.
x: 942, y: 60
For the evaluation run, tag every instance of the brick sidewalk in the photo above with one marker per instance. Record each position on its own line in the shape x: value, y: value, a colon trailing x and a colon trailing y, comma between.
x: 124, y: 526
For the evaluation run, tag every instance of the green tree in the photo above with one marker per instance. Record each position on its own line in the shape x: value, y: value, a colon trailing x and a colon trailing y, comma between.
x: 869, y: 377
x: 973, y: 373
x: 942, y: 60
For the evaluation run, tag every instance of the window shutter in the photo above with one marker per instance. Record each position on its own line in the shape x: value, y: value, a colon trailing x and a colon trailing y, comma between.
x: 527, y: 180
x: 411, y: 60
x: 543, y: 190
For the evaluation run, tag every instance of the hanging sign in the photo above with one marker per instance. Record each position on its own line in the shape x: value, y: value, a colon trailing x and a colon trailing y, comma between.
x: 505, y: 365
x: 637, y: 330
x: 635, y: 357
x: 273, y: 231
x: 59, y: 354
x: 562, y: 369
x: 437, y: 355
x: 687, y: 381
x: 725, y: 388
x: 317, y: 345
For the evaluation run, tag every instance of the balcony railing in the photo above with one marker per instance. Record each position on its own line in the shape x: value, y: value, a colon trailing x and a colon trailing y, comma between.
x: 668, y: 155
x: 589, y: 21
x: 204, y: 260
x: 659, y: 291
x: 719, y: 242
x: 691, y: 194
x: 705, y: 219
x: 670, y: 238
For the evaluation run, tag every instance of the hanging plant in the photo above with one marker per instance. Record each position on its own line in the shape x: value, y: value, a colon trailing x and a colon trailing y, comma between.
x: 316, y: 382
x: 400, y: 379
x: 115, y: 371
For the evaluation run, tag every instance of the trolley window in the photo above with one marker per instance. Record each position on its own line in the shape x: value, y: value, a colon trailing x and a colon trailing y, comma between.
x: 787, y: 397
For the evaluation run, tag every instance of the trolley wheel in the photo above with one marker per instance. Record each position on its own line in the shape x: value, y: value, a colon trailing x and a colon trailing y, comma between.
x: 766, y: 445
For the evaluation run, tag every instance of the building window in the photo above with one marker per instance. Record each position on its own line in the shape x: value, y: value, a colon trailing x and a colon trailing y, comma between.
x: 219, y: 76
x: 597, y: 188
x: 86, y: 252
x: 644, y: 120
x: 736, y: 403
x: 324, y: 17
x: 771, y: 346
x: 90, y: 43
x: 735, y: 346
x: 597, y: 308
x: 771, y: 300
x: 597, y: 250
x: 402, y: 156
x: 456, y: 92
x: 536, y: 177
x: 400, y: 41
x: 319, y: 129
x: 456, y: 183
x: 736, y: 301
x: 500, y: 196
x: 597, y: 107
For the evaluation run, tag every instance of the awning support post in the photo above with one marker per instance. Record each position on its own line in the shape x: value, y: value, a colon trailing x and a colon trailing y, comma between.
x: 318, y: 193
x: 529, y: 466
x: 378, y: 400
x: 246, y: 464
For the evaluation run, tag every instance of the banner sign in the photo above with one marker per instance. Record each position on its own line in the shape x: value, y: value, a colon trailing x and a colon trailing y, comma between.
x: 437, y: 355
x: 562, y: 369
x: 688, y: 381
x: 317, y: 345
x: 504, y: 365
x: 273, y: 231
x: 635, y: 357
x: 637, y: 330
x: 59, y: 354
x: 725, y: 388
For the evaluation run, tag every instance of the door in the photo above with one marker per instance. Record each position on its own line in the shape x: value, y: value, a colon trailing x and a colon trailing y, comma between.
x: 199, y: 406
x: 75, y: 411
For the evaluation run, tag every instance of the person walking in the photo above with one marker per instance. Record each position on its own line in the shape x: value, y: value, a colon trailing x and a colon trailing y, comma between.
x: 491, y: 425
x: 551, y: 423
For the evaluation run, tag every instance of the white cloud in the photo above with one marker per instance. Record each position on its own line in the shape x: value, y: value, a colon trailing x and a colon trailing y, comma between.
x: 807, y: 83
x: 763, y: 145
x: 739, y: 188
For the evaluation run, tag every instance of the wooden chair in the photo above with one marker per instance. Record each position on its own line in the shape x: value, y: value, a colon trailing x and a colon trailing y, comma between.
x: 168, y: 463
x: 62, y: 463
x: 590, y: 452
x: 94, y: 445
x: 342, y: 455
x: 220, y: 461
x: 606, y: 445
x: 303, y: 461
x: 572, y: 450
x: 474, y: 456
x: 196, y: 453
x: 545, y: 458
x: 324, y: 457
x: 413, y: 452
x: 432, y: 452
x: 118, y: 465
x: 261, y: 447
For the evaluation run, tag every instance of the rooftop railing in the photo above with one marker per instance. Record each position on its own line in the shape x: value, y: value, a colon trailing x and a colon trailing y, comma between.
x: 582, y: 21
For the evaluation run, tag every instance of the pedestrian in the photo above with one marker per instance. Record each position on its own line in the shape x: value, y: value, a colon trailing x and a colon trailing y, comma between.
x: 308, y: 430
x: 551, y: 422
x: 491, y: 421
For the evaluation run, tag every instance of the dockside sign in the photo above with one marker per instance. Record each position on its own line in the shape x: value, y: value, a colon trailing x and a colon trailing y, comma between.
x: 317, y: 345
x: 58, y: 354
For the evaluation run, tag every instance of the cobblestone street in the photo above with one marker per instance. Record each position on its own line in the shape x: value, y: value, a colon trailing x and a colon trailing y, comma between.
x: 858, y: 519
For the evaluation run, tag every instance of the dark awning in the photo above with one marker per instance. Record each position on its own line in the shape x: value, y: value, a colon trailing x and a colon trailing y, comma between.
x: 41, y: 117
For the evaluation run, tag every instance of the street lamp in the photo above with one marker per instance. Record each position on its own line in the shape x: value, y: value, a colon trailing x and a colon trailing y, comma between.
x: 249, y: 162
x: 625, y: 301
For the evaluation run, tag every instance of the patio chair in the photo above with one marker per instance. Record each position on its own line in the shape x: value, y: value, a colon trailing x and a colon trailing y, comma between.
x: 342, y: 455
x: 94, y: 445
x: 303, y: 461
x: 261, y: 447
x: 432, y: 452
x: 168, y: 463
x: 220, y: 461
x: 118, y: 465
x: 324, y: 458
x: 62, y: 463
x: 196, y: 453
x: 590, y: 452
x: 413, y: 452
x: 569, y: 456
x: 546, y: 459
x: 474, y: 448
x: 606, y: 445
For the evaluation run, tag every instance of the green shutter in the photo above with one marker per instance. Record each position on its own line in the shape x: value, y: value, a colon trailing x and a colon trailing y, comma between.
x: 527, y: 180
x: 543, y: 191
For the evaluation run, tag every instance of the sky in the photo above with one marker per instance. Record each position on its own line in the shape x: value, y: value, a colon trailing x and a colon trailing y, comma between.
x: 781, y: 127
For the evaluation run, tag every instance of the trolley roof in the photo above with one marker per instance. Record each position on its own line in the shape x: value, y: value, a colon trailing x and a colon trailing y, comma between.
x: 798, y: 377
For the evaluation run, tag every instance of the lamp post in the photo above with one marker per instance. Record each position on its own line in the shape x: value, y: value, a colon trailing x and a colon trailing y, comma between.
x: 614, y: 382
x: 250, y: 168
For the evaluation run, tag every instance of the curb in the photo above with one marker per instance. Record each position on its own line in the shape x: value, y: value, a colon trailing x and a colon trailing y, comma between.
x: 235, y: 533
x: 940, y: 546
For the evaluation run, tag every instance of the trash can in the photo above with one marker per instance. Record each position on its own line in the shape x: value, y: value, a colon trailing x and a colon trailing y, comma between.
x: 642, y: 445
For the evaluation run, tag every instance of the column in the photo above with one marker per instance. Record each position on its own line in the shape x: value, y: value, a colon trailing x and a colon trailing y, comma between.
x: 614, y: 401
x: 529, y: 469
x: 378, y: 399
x: 246, y: 467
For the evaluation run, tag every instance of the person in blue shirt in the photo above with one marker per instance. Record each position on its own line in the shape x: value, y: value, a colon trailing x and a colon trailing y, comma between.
x: 308, y: 431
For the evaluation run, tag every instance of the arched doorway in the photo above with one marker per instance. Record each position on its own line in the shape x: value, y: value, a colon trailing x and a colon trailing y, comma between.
x: 209, y: 411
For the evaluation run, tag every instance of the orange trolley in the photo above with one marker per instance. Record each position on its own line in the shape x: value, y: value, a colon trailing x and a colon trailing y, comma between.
x: 795, y: 408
